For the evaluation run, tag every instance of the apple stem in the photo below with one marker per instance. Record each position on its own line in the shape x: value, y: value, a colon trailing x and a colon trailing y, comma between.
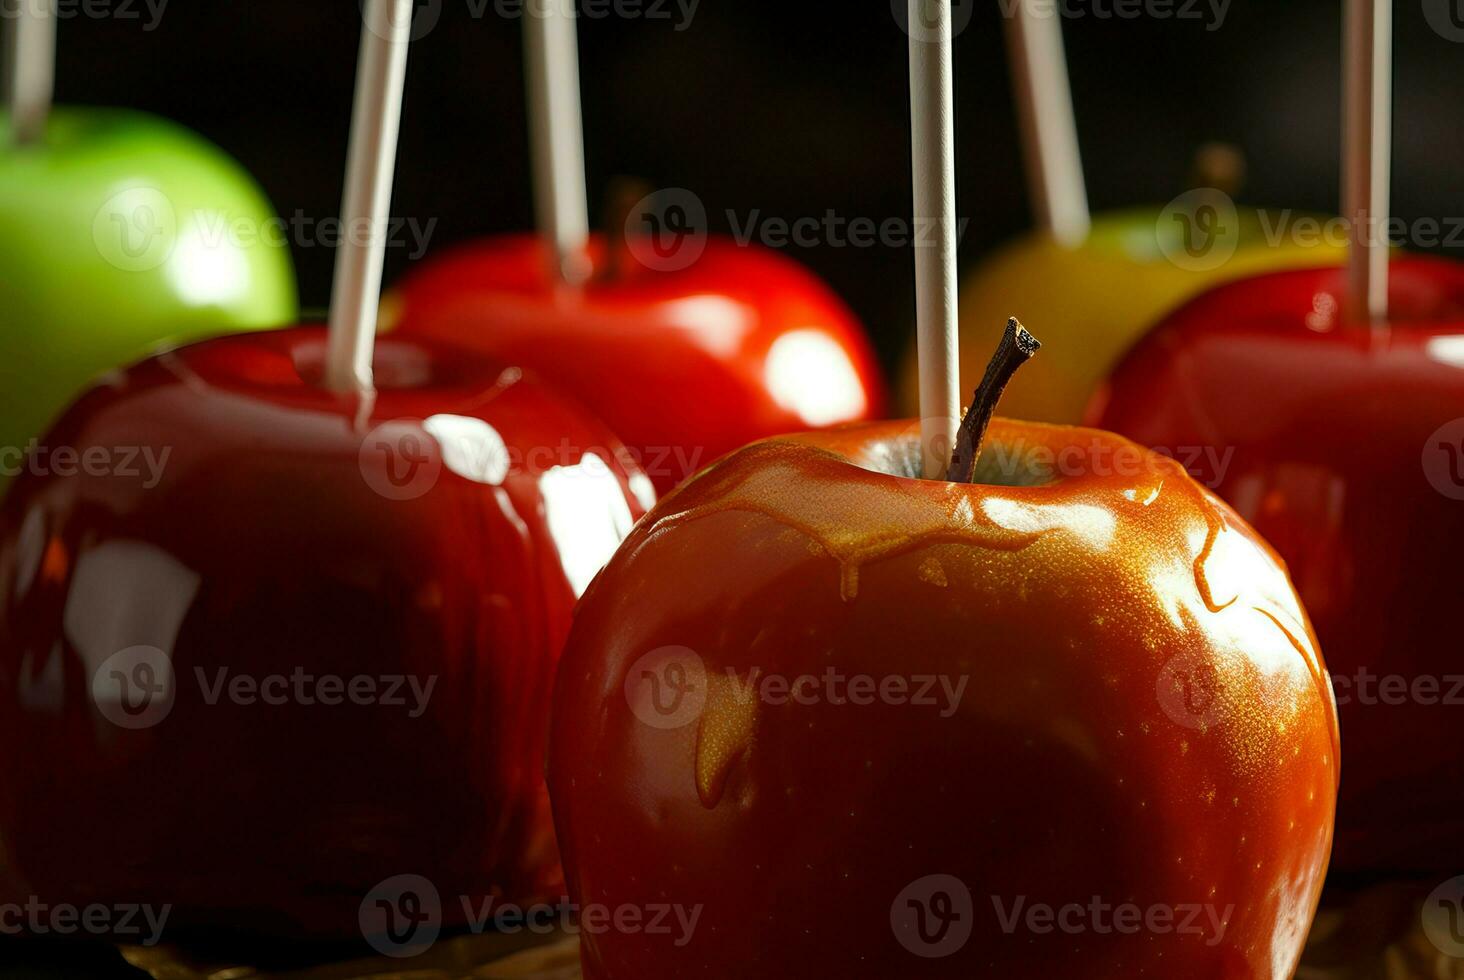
x: 556, y: 123
x: 1220, y: 167
x: 370, y: 168
x: 626, y: 194
x: 1049, y: 131
x: 1016, y: 348
x: 31, y: 59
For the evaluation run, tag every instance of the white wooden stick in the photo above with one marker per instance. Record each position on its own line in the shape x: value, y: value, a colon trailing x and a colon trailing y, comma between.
x: 551, y: 58
x: 31, y: 80
x: 370, y: 167
x: 1045, y: 112
x: 1367, y: 161
x: 932, y: 143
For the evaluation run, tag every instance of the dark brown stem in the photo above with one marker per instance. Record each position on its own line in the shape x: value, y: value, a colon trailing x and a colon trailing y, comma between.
x: 1016, y: 347
x: 625, y: 194
x: 1219, y: 166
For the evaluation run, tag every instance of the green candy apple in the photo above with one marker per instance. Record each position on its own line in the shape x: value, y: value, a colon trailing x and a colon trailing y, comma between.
x: 119, y: 233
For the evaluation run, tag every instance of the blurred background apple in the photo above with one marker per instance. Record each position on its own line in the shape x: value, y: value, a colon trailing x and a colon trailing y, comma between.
x: 120, y: 231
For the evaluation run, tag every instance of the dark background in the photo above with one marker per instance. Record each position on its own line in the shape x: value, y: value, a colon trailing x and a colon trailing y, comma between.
x: 788, y: 108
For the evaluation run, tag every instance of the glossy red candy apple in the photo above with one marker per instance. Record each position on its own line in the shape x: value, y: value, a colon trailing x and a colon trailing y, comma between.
x: 263, y: 645
x: 685, y: 353
x: 1069, y: 721
x: 1342, y: 445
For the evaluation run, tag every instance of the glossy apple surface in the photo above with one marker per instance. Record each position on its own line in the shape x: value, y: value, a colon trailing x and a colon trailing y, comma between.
x: 440, y: 533
x: 118, y: 232
x: 684, y: 364
x: 1090, y: 303
x: 1335, y: 443
x: 1146, y: 720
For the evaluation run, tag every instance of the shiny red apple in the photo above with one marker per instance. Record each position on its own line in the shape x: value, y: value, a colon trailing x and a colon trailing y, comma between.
x: 687, y: 346
x: 1341, y: 444
x: 818, y: 718
x: 263, y: 646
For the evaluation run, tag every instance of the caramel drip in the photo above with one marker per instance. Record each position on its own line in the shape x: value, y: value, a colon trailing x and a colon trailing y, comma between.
x: 1314, y: 666
x: 1216, y: 524
x: 856, y: 522
x: 725, y: 733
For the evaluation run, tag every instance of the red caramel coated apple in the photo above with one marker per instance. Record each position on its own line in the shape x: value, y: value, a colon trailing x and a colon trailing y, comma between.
x: 684, y: 363
x: 1068, y: 721
x: 281, y: 644
x: 1342, y: 445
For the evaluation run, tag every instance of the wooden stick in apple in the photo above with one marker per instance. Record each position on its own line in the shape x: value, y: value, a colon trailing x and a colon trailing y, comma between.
x: 1045, y: 113
x: 1367, y: 159
x: 551, y: 58
x: 31, y: 61
x: 370, y: 166
x: 932, y: 143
